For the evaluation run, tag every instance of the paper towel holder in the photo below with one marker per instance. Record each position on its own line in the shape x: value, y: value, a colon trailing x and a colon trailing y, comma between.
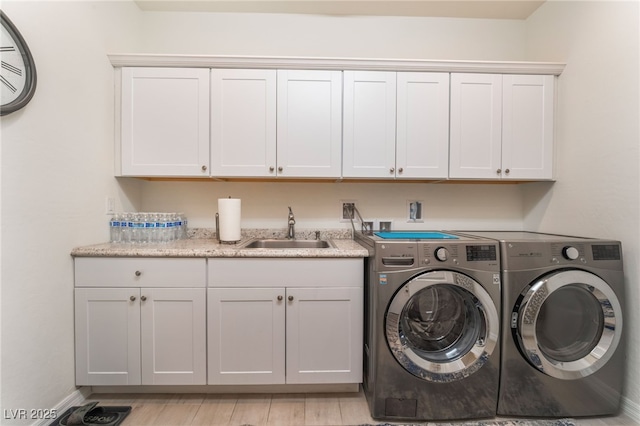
x: 218, y: 228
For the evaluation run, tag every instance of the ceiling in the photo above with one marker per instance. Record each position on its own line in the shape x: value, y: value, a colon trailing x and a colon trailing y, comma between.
x: 497, y: 9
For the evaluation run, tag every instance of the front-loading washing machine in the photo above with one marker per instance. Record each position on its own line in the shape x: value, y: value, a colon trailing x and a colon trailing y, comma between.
x: 432, y: 326
x: 562, y: 342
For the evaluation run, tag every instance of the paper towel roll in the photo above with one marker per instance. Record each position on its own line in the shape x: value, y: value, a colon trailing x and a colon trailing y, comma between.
x: 229, y: 210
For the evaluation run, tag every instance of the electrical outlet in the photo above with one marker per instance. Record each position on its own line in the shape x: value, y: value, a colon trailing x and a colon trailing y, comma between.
x: 385, y: 225
x: 346, y: 210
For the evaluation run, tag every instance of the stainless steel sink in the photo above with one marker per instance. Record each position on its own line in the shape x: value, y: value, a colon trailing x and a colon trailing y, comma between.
x: 288, y: 244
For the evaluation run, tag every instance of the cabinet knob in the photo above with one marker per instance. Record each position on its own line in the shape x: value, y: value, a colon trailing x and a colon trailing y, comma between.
x: 138, y: 273
x: 279, y: 297
x: 400, y: 170
x: 499, y: 171
x: 143, y: 298
x: 132, y: 298
x: 391, y: 170
x: 290, y: 298
x: 507, y: 171
x: 280, y: 169
x: 271, y: 169
x: 204, y: 168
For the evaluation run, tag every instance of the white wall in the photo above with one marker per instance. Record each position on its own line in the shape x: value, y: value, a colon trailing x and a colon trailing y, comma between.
x: 56, y: 169
x: 598, y: 187
x: 333, y: 36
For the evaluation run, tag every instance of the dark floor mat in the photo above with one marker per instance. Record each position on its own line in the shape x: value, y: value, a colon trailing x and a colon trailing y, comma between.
x: 103, y: 416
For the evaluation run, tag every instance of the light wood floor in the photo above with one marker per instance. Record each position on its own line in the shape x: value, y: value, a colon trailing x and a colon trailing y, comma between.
x: 262, y: 409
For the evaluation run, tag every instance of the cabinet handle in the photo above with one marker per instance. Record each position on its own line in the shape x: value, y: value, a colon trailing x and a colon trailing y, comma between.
x: 138, y: 273
x: 204, y: 168
x: 391, y: 170
x: 499, y: 171
x: 279, y: 297
x: 271, y: 169
x: 280, y: 169
x: 400, y: 170
x: 143, y: 298
x: 290, y: 298
x: 132, y: 298
x: 507, y: 171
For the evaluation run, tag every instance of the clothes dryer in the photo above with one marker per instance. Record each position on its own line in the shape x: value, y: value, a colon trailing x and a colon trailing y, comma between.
x: 432, y: 326
x: 562, y: 343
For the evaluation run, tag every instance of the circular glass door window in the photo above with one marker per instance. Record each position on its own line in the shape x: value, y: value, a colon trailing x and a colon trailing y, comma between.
x: 442, y: 326
x: 569, y: 324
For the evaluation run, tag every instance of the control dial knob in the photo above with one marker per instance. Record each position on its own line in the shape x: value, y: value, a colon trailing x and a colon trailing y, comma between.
x: 570, y: 252
x: 442, y: 254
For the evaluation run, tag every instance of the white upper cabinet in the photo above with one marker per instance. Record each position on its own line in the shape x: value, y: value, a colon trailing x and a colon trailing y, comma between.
x: 369, y: 132
x: 332, y: 124
x: 422, y: 137
x: 309, y: 123
x: 164, y: 122
x: 250, y: 139
x: 396, y: 125
x: 243, y: 123
x: 476, y: 120
x: 527, y: 126
x: 501, y: 126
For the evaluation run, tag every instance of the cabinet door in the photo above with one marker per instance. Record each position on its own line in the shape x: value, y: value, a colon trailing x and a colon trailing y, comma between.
x: 369, y: 130
x: 309, y: 123
x: 165, y: 122
x: 324, y: 335
x: 476, y: 126
x: 107, y: 332
x: 173, y: 337
x: 527, y: 126
x: 246, y: 337
x: 422, y: 141
x: 243, y: 122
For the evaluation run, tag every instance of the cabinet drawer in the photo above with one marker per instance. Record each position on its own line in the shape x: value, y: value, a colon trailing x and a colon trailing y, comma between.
x: 140, y: 272
x: 274, y: 272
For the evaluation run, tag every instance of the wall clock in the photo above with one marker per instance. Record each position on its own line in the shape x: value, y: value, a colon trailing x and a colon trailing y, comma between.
x: 18, y: 71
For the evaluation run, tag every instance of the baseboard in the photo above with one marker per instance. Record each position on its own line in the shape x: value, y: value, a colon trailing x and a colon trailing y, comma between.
x: 301, y: 388
x: 76, y: 398
x: 631, y: 410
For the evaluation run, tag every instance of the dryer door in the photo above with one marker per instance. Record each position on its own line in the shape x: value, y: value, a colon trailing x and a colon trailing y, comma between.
x: 442, y: 326
x: 568, y: 324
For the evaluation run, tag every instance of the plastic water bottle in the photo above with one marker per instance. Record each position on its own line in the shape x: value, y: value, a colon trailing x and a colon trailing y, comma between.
x: 115, y: 230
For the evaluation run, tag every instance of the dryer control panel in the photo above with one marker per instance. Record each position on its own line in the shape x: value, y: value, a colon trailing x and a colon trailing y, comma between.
x: 525, y: 255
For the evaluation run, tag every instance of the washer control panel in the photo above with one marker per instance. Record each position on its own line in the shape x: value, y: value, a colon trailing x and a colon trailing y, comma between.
x: 457, y: 254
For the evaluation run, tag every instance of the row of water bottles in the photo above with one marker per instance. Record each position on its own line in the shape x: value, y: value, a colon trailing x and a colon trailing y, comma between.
x: 143, y: 228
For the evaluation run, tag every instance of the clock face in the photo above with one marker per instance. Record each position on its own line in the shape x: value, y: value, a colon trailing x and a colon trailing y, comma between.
x: 17, y: 73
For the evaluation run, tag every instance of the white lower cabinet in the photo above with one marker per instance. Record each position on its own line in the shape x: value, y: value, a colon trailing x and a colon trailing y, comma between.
x: 139, y: 335
x: 309, y: 333
x: 324, y: 335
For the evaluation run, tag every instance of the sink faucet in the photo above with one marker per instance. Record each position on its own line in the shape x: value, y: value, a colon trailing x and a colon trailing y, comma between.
x: 291, y: 221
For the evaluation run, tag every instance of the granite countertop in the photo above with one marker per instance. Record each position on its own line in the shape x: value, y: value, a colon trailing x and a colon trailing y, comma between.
x: 202, y: 243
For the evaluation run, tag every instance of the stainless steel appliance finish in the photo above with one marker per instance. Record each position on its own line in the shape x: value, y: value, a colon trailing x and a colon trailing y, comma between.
x: 562, y: 343
x: 432, y: 328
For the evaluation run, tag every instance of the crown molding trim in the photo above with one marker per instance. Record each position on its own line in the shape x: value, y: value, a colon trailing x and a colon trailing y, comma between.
x: 356, y: 64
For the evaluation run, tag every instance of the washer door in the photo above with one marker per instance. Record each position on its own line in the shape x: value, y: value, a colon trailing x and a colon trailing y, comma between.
x: 442, y: 326
x: 568, y: 324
